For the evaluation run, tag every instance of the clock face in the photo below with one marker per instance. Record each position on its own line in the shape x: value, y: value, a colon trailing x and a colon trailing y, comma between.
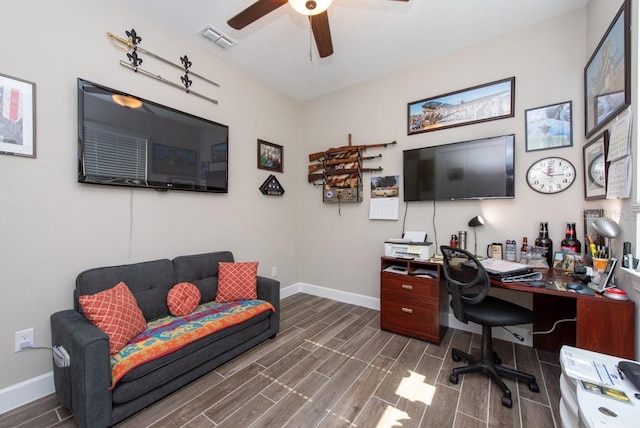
x: 551, y: 175
x: 596, y: 171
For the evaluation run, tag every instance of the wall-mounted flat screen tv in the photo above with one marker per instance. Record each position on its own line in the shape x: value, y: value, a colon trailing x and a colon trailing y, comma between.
x: 124, y: 140
x: 476, y: 169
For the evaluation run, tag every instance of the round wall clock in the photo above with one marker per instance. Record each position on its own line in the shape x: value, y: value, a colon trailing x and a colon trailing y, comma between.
x: 596, y: 171
x: 551, y: 175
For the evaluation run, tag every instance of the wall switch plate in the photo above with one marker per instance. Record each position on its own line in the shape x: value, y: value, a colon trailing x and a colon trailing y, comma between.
x: 274, y: 271
x: 24, y: 339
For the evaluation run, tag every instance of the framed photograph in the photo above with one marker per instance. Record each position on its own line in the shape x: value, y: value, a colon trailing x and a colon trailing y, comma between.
x: 566, y: 261
x: 594, y: 155
x: 607, y: 76
x: 18, y: 118
x: 270, y: 156
x: 481, y: 103
x: 548, y: 127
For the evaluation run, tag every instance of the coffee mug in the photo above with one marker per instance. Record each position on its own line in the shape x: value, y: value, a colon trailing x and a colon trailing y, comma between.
x: 494, y: 250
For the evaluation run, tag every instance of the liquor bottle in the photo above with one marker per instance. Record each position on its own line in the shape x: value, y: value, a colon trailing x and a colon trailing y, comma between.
x: 570, y: 244
x: 544, y: 243
x: 454, y: 241
x: 525, y: 247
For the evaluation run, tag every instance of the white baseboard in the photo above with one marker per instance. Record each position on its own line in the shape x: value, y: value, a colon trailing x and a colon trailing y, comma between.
x: 25, y: 392
x: 330, y: 293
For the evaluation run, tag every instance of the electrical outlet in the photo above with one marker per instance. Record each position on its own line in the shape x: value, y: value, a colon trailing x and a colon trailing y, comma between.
x: 24, y: 339
x: 274, y: 271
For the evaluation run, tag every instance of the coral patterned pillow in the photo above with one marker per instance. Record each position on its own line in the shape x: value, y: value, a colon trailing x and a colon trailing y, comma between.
x: 237, y: 281
x: 183, y: 298
x: 116, y: 312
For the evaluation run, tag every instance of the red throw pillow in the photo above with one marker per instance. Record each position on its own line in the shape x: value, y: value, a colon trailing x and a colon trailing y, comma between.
x: 116, y: 312
x: 237, y: 281
x: 183, y: 298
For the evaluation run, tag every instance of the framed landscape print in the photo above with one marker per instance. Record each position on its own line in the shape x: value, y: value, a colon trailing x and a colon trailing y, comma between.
x: 607, y: 76
x: 490, y: 101
x: 548, y: 127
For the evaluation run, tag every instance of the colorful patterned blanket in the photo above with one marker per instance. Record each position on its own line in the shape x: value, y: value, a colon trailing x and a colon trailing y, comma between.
x: 170, y: 333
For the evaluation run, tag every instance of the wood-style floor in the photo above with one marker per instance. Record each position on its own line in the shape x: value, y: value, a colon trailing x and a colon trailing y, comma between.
x: 332, y: 366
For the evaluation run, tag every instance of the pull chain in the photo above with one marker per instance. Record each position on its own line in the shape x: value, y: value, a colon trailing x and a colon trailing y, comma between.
x: 310, y: 40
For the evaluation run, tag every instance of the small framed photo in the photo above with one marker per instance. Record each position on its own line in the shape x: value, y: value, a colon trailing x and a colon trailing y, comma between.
x: 548, y: 127
x: 270, y: 156
x: 595, y: 167
x: 566, y: 261
x: 18, y: 117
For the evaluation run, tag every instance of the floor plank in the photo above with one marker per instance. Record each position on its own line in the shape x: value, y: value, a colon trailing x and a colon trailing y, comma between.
x: 331, y: 366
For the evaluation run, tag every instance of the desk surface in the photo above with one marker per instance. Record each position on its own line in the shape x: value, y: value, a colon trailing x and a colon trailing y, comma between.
x: 602, y: 324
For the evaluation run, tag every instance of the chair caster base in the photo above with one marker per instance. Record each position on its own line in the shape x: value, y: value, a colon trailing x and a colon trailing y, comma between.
x: 453, y: 378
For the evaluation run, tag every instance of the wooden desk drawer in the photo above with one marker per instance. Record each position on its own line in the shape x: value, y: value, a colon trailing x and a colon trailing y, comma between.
x: 420, y: 320
x: 410, y: 286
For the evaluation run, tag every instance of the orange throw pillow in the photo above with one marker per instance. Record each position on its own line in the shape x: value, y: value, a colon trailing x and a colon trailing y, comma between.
x: 183, y: 298
x: 116, y: 312
x: 237, y: 281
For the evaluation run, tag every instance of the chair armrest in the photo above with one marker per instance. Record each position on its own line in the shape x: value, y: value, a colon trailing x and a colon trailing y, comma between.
x: 269, y: 289
x: 83, y: 387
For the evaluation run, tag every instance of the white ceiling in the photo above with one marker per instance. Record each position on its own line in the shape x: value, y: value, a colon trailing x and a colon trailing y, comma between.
x: 370, y: 37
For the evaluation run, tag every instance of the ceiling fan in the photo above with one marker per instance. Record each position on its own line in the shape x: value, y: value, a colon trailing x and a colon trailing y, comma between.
x: 315, y: 9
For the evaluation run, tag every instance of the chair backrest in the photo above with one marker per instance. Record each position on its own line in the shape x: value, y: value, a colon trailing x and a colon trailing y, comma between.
x: 466, y: 286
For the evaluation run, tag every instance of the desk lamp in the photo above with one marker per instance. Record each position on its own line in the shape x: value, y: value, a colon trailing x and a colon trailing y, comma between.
x: 475, y: 222
x: 609, y: 229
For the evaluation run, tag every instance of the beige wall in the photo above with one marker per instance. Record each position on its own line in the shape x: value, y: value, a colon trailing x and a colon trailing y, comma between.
x: 52, y: 227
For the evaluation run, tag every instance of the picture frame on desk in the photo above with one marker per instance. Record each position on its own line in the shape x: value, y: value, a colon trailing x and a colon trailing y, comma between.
x: 566, y: 262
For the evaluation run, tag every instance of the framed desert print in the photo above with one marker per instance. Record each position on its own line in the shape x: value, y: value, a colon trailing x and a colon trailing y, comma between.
x: 270, y: 156
x: 548, y: 127
x: 594, y: 155
x: 18, y: 118
x: 490, y: 101
x: 607, y: 76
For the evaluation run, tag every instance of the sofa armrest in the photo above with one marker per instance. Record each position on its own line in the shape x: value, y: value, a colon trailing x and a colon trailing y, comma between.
x: 83, y: 387
x: 269, y: 290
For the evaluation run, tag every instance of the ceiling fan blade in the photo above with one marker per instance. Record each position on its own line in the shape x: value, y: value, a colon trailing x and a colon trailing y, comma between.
x: 254, y: 12
x: 322, y: 34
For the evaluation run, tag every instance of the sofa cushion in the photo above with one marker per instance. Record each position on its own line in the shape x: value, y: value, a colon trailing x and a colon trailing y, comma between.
x: 183, y: 298
x: 202, y: 271
x: 149, y: 282
x: 237, y: 281
x: 116, y: 312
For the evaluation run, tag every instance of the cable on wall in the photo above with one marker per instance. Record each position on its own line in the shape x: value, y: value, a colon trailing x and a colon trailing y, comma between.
x: 130, y: 224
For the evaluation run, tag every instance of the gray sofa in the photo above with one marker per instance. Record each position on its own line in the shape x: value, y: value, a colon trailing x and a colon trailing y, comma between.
x: 83, y: 386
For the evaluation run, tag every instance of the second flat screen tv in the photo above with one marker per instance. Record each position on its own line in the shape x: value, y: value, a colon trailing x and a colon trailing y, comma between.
x: 476, y: 169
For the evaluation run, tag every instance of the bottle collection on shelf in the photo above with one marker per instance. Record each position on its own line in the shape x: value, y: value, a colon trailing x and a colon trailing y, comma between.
x: 541, y: 254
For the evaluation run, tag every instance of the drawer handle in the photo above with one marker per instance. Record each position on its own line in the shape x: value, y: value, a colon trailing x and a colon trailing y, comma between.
x: 407, y: 287
x: 407, y: 310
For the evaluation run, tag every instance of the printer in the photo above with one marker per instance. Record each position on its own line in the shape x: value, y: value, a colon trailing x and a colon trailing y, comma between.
x: 407, y: 250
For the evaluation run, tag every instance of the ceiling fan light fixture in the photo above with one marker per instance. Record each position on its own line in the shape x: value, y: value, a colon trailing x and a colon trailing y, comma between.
x: 310, y: 7
x: 126, y: 101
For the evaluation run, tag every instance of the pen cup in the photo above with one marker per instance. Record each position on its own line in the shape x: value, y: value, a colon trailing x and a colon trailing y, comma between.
x: 599, y: 264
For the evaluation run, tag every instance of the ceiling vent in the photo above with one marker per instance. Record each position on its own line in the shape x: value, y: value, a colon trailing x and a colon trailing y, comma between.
x: 217, y: 37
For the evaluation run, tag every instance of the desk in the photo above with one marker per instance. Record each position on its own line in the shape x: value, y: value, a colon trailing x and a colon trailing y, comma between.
x: 602, y: 325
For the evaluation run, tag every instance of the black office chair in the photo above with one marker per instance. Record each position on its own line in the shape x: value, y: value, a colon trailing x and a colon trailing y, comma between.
x: 469, y: 289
